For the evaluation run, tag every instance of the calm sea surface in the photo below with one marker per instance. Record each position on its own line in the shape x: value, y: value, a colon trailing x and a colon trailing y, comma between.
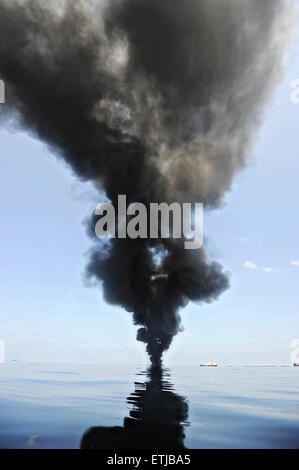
x: 72, y: 406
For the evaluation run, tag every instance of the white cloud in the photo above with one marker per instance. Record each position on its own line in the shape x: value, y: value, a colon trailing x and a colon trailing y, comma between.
x: 270, y: 336
x: 250, y: 265
x: 269, y: 270
x: 243, y: 239
x: 295, y: 263
x: 185, y: 333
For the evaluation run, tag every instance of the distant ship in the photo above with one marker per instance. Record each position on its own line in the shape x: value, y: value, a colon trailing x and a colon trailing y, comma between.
x: 210, y: 364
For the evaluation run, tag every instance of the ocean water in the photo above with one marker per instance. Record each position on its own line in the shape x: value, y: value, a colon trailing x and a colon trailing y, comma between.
x: 95, y: 406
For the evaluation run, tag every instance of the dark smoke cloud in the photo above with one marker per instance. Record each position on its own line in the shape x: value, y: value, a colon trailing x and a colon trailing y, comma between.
x: 158, y: 100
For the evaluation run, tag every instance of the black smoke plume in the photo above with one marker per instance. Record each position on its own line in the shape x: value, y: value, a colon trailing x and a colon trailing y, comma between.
x: 159, y: 100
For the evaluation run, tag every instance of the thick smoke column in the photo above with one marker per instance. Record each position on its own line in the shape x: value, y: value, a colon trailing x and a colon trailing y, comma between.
x: 158, y: 100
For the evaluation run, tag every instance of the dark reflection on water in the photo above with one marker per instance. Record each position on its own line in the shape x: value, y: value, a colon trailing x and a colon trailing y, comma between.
x: 157, y: 418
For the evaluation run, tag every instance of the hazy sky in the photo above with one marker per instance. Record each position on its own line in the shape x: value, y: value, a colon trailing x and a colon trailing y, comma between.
x: 47, y: 313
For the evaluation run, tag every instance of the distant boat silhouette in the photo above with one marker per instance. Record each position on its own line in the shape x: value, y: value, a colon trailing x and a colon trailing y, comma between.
x: 210, y: 364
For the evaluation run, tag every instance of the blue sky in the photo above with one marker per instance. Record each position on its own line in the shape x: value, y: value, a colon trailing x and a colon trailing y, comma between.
x: 49, y: 314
